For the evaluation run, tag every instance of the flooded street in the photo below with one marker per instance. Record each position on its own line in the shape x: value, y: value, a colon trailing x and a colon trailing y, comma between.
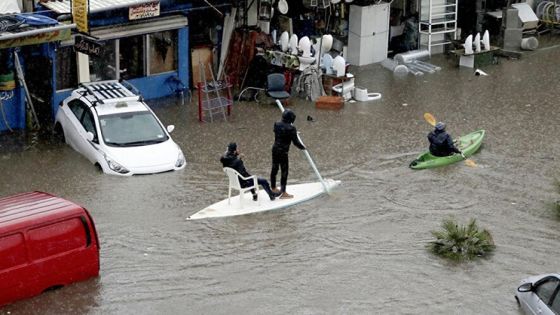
x: 360, y: 250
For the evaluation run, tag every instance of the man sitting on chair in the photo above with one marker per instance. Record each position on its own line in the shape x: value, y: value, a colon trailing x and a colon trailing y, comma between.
x: 231, y: 159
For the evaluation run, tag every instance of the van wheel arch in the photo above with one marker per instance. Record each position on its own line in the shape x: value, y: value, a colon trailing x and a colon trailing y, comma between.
x: 53, y: 287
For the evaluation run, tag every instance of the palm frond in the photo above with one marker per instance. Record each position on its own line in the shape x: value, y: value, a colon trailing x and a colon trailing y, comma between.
x: 461, y: 242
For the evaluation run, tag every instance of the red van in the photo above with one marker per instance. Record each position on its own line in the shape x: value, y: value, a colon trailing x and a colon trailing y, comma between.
x: 45, y: 242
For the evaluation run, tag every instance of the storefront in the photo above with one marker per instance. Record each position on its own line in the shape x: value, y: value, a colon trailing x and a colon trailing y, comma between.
x: 145, y: 43
x: 19, y: 35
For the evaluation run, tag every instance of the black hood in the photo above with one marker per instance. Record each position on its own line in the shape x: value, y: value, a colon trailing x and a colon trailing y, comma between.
x: 288, y: 116
x: 228, y: 159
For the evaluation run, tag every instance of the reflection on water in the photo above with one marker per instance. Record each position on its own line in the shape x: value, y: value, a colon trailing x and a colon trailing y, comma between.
x: 360, y: 250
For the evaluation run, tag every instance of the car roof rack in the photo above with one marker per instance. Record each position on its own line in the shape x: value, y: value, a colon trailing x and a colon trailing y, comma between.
x: 112, y: 91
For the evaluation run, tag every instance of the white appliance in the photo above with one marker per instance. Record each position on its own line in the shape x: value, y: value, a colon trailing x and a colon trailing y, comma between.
x: 368, y: 33
x: 527, y: 16
x: 10, y: 6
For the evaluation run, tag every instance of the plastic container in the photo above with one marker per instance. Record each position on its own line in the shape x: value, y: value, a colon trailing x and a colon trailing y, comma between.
x: 529, y: 43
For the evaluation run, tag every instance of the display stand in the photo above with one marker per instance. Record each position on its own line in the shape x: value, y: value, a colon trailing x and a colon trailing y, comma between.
x: 214, y: 98
x: 476, y: 59
x: 211, y: 97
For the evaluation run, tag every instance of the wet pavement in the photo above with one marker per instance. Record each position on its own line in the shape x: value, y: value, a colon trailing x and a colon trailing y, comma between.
x: 360, y: 250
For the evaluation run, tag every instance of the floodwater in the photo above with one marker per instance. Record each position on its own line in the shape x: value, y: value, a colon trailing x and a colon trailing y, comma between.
x: 360, y: 250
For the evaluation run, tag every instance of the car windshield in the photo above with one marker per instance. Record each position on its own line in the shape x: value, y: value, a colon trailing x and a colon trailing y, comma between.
x: 131, y: 129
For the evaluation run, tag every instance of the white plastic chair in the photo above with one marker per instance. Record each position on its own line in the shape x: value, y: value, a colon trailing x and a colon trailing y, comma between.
x: 234, y: 177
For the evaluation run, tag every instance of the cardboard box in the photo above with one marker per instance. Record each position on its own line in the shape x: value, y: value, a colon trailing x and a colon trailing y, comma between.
x: 329, y: 102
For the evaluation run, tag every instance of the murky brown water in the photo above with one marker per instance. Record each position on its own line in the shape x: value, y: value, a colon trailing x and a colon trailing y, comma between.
x: 359, y: 251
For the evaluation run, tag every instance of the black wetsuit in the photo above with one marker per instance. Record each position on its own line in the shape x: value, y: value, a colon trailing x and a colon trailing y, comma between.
x: 284, y: 135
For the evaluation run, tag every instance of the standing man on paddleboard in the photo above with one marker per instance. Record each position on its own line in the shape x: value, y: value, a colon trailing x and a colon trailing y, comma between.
x: 231, y: 159
x: 284, y: 135
x: 441, y: 143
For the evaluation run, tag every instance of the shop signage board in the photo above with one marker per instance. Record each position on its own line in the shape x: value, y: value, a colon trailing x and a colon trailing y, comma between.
x: 88, y: 46
x: 56, y: 35
x: 80, y: 10
x: 145, y: 10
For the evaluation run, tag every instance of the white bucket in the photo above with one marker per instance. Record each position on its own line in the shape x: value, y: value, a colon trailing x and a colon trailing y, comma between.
x: 529, y: 43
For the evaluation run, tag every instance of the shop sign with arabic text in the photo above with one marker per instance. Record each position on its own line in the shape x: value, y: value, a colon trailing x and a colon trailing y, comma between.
x: 87, y: 46
x: 144, y: 10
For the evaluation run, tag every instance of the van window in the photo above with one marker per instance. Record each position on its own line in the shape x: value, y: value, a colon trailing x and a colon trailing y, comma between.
x: 57, y: 238
x: 12, y: 251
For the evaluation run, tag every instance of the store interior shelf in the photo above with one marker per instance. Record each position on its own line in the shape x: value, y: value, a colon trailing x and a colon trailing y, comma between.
x: 438, y: 23
x: 438, y: 43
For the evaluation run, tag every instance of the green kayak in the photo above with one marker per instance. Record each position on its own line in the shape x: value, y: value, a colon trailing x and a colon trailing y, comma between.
x: 468, y: 144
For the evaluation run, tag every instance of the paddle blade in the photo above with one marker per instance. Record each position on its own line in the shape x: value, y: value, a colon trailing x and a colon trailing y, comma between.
x: 430, y: 119
x: 470, y: 163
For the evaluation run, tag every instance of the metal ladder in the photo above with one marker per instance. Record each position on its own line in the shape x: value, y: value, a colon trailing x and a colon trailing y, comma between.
x: 215, y: 103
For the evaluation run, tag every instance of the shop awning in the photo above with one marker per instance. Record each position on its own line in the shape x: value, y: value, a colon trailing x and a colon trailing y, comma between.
x: 151, y: 26
x: 36, y: 36
x: 94, y: 5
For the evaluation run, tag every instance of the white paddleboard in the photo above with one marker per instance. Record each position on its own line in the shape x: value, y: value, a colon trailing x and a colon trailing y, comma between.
x: 225, y: 208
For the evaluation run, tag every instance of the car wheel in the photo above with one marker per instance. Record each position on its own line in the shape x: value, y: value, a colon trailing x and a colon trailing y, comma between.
x: 58, y: 133
x: 98, y: 168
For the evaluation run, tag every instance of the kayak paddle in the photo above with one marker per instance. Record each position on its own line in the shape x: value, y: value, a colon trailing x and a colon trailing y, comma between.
x: 432, y: 121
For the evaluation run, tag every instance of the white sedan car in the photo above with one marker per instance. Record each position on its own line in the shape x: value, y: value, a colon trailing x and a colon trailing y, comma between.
x: 540, y: 294
x: 115, y: 130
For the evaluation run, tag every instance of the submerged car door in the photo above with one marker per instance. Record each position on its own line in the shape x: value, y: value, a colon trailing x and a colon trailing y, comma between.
x: 89, y: 148
x: 73, y: 112
x: 541, y: 298
x: 83, y: 121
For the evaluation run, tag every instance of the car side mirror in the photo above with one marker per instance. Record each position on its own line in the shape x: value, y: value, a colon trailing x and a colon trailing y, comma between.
x: 525, y: 287
x: 170, y: 128
x: 90, y: 136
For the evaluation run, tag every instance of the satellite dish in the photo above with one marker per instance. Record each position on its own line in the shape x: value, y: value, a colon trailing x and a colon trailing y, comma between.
x: 283, y: 6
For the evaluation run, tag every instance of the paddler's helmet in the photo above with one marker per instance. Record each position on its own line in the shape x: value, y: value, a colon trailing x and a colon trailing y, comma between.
x: 440, y: 126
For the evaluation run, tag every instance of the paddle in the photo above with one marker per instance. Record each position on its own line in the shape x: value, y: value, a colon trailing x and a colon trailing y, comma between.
x: 432, y: 121
x: 308, y: 156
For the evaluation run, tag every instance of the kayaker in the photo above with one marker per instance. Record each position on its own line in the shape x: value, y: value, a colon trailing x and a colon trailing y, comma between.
x: 441, y: 143
x: 284, y: 135
x: 231, y: 159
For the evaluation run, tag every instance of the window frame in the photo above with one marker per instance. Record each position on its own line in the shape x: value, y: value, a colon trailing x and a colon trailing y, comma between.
x: 67, y: 45
x: 554, y: 293
x: 86, y: 110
